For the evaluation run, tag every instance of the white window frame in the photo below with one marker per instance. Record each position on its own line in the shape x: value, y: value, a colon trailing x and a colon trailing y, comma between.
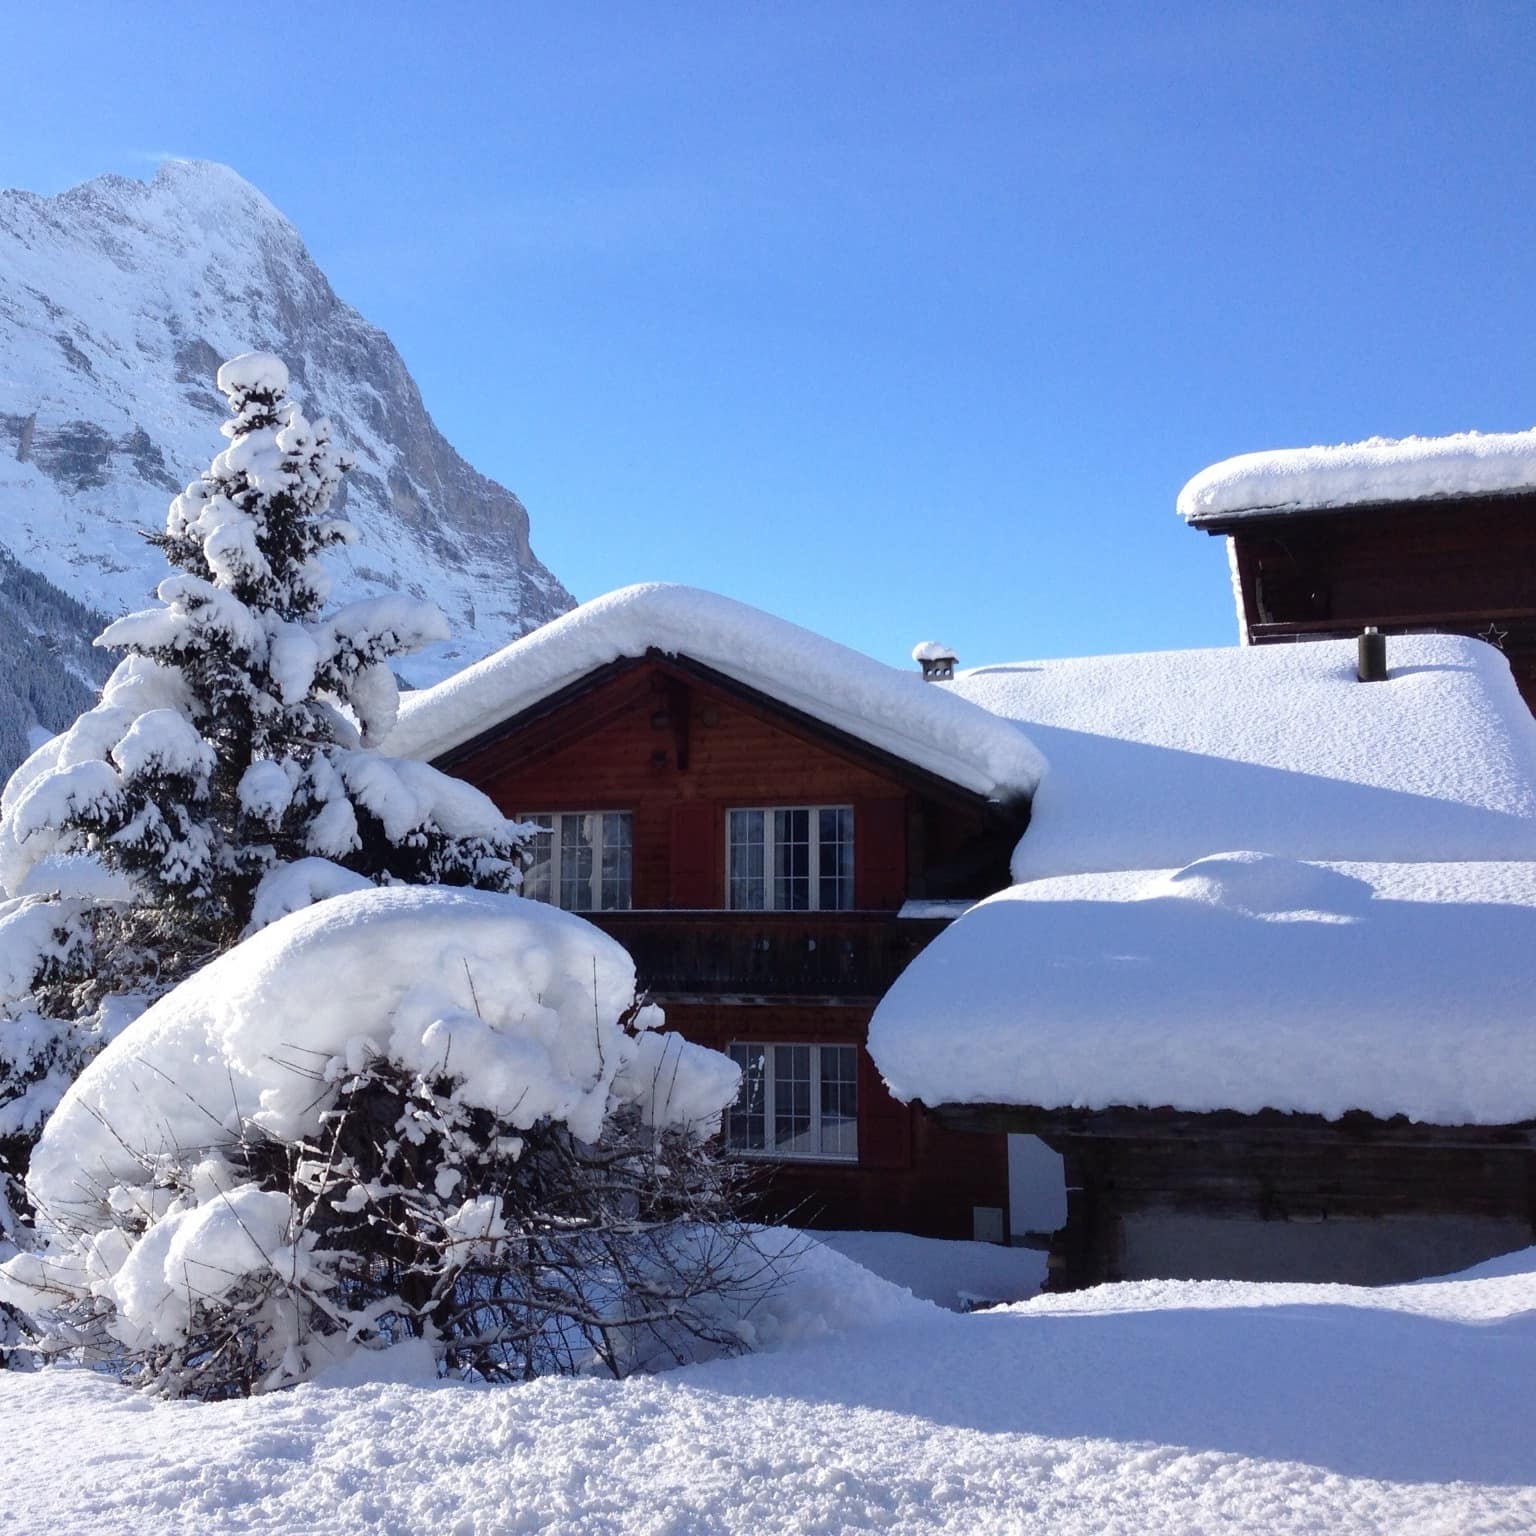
x: 770, y: 857
x: 770, y: 1151
x: 594, y: 882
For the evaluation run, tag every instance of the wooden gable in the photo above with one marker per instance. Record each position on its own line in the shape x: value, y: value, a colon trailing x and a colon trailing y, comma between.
x: 1465, y: 567
x: 678, y: 744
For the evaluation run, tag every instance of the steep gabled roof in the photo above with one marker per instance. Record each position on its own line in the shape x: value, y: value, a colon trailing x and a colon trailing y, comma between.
x: 895, y: 711
x: 1381, y: 469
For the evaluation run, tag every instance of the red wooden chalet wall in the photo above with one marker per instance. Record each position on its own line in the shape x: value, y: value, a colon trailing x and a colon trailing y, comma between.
x: 1465, y: 566
x: 677, y: 748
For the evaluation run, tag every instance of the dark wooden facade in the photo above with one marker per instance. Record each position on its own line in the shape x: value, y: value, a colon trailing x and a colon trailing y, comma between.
x: 678, y: 745
x: 1158, y: 1193
x: 1462, y: 566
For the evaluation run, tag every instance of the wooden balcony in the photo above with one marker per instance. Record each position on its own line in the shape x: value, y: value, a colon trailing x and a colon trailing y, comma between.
x: 852, y: 955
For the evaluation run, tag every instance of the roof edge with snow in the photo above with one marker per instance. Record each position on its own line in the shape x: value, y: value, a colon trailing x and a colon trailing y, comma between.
x: 1377, y: 471
x: 891, y: 710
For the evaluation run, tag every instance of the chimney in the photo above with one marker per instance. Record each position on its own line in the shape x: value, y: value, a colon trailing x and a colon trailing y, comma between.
x: 1371, y: 666
x: 937, y: 661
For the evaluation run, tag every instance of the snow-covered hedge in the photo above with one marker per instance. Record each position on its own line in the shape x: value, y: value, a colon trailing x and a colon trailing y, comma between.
x: 400, y: 1111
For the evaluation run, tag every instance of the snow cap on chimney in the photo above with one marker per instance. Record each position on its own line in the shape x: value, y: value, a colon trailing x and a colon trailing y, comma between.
x: 937, y: 661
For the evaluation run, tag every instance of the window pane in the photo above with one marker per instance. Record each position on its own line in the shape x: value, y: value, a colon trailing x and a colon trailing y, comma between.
x: 835, y: 858
x: 538, y: 876
x: 792, y: 860
x: 839, y: 1101
x: 746, y: 1126
x: 792, y: 1130
x: 617, y: 859
x: 748, y: 888
x: 576, y: 835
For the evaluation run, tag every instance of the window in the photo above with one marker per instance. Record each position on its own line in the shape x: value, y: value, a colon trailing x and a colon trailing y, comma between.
x: 580, y: 860
x: 793, y: 859
x: 796, y: 1101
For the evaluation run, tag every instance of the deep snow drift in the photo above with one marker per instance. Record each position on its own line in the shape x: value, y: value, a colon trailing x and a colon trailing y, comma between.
x: 1156, y: 1409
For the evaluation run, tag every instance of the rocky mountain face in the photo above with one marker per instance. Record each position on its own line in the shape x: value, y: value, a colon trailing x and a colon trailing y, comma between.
x: 118, y: 301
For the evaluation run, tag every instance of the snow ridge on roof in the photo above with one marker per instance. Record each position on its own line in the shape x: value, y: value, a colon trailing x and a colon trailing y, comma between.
x: 895, y: 711
x: 1357, y: 474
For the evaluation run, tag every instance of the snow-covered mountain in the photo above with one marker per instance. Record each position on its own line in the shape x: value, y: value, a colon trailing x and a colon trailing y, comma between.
x: 118, y: 301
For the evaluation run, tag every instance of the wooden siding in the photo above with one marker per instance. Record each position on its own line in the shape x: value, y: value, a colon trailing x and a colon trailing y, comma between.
x: 679, y: 751
x: 1281, y: 1170
x: 1454, y: 567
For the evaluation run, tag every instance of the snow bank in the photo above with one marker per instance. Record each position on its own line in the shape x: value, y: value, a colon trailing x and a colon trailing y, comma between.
x: 1159, y: 759
x: 956, y: 1275
x: 1159, y: 1409
x: 515, y: 997
x: 1244, y: 981
x: 1354, y: 474
x: 893, y: 710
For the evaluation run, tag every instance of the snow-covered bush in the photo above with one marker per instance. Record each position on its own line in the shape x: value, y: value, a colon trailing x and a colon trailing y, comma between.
x: 226, y: 776
x: 399, y: 1113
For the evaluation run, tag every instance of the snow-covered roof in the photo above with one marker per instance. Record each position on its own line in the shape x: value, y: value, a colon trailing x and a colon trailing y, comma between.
x: 1380, y: 469
x: 1374, y: 948
x: 1158, y: 759
x: 893, y: 710
x: 1240, y: 982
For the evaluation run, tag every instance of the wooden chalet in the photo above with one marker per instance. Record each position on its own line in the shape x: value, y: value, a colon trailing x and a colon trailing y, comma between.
x: 762, y: 864
x: 1308, y: 1060
x: 1455, y: 557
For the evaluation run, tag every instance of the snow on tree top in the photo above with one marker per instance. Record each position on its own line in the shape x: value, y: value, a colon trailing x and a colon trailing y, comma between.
x: 1158, y: 759
x: 1242, y: 981
x: 893, y: 710
x: 1381, y: 469
x: 253, y: 373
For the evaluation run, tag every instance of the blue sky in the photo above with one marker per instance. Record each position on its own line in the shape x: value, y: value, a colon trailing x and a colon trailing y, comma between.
x: 902, y: 320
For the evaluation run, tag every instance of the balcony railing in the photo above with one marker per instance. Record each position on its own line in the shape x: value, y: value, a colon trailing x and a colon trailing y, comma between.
x: 780, y: 954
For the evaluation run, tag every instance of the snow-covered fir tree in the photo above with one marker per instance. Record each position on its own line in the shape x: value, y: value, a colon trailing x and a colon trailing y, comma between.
x: 230, y: 772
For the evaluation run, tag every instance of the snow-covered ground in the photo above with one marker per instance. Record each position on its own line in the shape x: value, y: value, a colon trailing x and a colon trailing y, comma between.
x: 1156, y: 1407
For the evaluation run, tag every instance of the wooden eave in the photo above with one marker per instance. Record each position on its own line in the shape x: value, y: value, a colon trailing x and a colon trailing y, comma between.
x: 1269, y: 518
x: 1141, y: 1123
x: 685, y: 669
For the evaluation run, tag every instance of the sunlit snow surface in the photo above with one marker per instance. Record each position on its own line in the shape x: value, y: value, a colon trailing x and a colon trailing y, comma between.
x: 1381, y: 469
x: 1149, y: 1408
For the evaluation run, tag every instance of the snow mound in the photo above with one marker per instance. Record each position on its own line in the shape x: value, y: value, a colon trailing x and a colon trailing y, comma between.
x: 516, y: 998
x: 890, y: 709
x: 1157, y: 760
x: 1357, y: 474
x: 1241, y: 982
x: 1263, y: 885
